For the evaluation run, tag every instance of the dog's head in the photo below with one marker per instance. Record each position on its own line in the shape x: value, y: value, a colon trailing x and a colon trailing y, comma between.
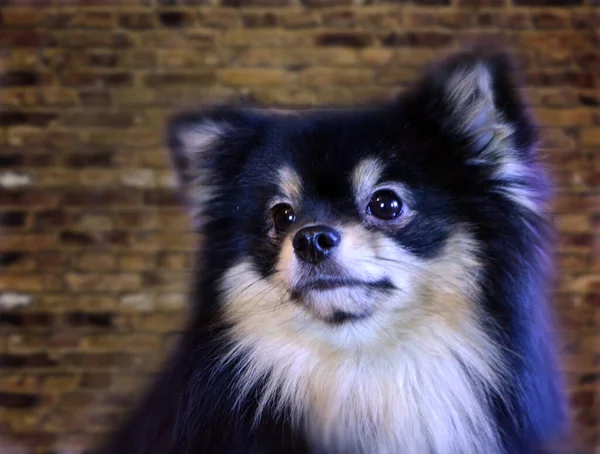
x: 355, y: 217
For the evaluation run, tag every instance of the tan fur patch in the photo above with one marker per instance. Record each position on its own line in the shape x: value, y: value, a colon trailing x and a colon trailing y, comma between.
x: 290, y: 184
x: 365, y: 176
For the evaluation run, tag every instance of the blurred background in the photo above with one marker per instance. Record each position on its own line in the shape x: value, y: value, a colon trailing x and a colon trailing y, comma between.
x: 94, y: 244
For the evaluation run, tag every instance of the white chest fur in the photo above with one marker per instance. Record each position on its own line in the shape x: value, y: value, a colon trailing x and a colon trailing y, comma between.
x: 410, y: 384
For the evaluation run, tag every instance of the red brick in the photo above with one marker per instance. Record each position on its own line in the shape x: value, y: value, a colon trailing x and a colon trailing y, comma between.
x: 417, y: 39
x: 251, y: 3
x: 577, y: 239
x: 28, y: 319
x: 555, y: 40
x: 101, y: 59
x: 138, y: 59
x: 101, y: 198
x: 340, y: 19
x: 13, y: 218
x: 219, y: 18
x: 102, y: 282
x: 163, y: 197
x: 560, y: 99
x: 560, y: 139
x: 563, y: 117
x: 260, y: 20
x: 481, y: 3
x: 175, y: 19
x: 18, y: 118
x: 590, y: 136
x: 53, y: 140
x: 35, y: 439
x: 583, y: 398
x: 124, y: 400
x: 589, y: 98
x: 420, y: 19
x: 326, y: 3
x: 456, y: 19
x: 301, y: 19
x: 177, y: 79
x: 77, y: 399
x: 252, y: 76
x: 16, y: 260
x: 50, y: 219
x: 589, y: 61
x: 319, y: 77
x: 183, y: 2
x: 95, y: 39
x: 383, y: 20
x: 588, y: 20
x: 95, y: 98
x: 395, y: 76
x: 19, y: 78
x: 553, y: 3
x: 551, y: 20
x: 19, y: 17
x: 103, y: 158
x: 344, y: 39
x: 21, y: 401
x: 138, y: 21
x: 26, y: 38
x: 95, y: 381
x: 38, y: 360
x: 98, y: 360
x: 97, y: 19
x: 431, y: 2
x: 88, y: 78
x: 99, y: 119
x: 58, y: 19
x: 573, y: 262
x: 557, y: 78
x: 29, y: 198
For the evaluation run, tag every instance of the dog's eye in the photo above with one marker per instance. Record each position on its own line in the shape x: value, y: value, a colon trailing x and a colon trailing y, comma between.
x: 283, y: 216
x: 385, y: 205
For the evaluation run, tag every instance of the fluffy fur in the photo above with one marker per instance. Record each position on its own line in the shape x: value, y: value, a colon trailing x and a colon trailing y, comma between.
x: 436, y: 341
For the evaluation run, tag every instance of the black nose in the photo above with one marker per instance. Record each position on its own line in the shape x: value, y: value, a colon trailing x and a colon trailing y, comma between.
x: 314, y: 243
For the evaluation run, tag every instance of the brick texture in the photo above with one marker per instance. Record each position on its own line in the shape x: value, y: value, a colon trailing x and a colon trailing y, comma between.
x: 95, y: 247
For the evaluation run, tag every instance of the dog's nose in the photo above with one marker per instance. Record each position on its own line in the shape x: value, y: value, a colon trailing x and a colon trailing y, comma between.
x: 314, y: 244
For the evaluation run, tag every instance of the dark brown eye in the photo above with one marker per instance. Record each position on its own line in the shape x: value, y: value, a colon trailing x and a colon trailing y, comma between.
x: 385, y: 205
x: 283, y: 216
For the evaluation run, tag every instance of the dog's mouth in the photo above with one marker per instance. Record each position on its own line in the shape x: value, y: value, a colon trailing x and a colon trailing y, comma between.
x: 332, y: 283
x: 323, y: 285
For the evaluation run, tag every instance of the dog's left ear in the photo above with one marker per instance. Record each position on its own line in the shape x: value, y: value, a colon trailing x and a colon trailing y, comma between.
x: 475, y: 93
x: 208, y: 149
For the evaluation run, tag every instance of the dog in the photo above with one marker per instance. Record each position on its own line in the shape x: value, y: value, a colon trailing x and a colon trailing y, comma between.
x: 371, y: 280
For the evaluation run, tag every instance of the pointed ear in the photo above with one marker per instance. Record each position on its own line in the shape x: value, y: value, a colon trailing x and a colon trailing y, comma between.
x: 473, y: 98
x: 208, y: 147
x: 475, y: 93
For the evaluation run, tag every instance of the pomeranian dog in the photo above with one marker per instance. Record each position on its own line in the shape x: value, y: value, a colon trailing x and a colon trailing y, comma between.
x: 371, y: 280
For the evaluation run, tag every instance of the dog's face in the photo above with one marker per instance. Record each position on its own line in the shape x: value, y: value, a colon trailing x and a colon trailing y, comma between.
x: 359, y: 218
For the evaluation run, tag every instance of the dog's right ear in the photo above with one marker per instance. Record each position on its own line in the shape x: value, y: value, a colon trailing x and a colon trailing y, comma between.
x: 205, y: 146
x: 475, y: 92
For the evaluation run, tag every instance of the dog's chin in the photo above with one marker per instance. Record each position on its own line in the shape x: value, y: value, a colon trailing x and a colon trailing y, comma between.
x: 340, y: 301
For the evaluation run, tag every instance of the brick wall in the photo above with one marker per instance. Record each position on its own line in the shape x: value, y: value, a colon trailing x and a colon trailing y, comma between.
x: 94, y: 253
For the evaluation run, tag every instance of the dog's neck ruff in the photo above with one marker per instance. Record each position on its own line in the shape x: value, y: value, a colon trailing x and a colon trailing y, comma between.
x: 378, y: 386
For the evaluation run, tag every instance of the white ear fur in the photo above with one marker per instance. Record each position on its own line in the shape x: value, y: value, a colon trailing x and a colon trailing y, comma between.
x: 190, y: 143
x: 470, y: 96
x: 201, y: 137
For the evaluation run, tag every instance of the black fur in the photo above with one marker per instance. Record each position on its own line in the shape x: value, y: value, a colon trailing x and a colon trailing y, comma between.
x: 190, y: 409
